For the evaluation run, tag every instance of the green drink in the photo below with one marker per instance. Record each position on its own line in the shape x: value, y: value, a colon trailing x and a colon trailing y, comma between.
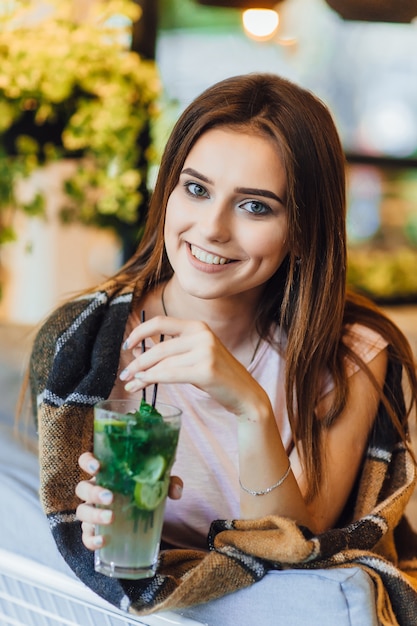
x: 136, y: 449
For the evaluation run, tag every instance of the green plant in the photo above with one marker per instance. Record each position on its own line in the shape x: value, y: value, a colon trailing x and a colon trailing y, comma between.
x: 383, y: 274
x: 188, y: 14
x: 71, y: 88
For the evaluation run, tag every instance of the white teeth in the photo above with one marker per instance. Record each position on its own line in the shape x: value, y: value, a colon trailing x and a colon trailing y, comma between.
x: 206, y: 257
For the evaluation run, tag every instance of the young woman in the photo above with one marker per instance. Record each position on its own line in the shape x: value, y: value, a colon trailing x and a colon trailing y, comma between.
x: 279, y: 372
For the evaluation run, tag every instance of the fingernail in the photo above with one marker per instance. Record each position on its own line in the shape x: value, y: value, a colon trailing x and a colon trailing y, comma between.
x: 125, y: 345
x: 124, y: 374
x: 93, y: 466
x: 139, y: 375
x: 106, y: 517
x: 132, y: 386
x: 106, y: 497
x: 178, y: 491
x: 98, y: 541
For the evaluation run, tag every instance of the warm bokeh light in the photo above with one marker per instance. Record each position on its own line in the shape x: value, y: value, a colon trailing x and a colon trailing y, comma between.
x: 260, y: 23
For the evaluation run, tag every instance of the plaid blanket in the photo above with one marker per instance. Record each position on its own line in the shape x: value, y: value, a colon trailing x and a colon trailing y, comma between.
x: 74, y: 364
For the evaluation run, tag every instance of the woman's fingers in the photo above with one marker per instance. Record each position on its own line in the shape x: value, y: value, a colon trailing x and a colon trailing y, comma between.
x: 88, y: 491
x: 186, y: 348
x: 93, y: 515
x: 89, y: 538
x: 89, y: 463
x: 175, y: 359
x: 90, y: 515
x: 92, y: 495
x: 168, y: 326
x: 189, y: 340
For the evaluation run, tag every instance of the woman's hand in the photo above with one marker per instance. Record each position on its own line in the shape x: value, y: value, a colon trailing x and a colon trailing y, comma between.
x: 93, y: 494
x: 192, y: 353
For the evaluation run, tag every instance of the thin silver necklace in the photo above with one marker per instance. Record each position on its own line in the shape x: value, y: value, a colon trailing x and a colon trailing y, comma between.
x: 258, y: 343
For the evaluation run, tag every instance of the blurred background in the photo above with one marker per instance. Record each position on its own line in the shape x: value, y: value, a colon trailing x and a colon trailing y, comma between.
x: 89, y: 90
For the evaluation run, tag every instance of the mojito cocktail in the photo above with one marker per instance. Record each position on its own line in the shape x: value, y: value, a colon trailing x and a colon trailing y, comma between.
x: 136, y: 449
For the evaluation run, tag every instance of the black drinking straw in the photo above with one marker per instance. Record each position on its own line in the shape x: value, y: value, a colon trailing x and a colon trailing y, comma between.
x: 142, y: 319
x: 155, y: 388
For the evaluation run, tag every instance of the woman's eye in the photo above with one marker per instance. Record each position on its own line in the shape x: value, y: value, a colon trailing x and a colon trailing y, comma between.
x: 256, y: 207
x: 194, y: 189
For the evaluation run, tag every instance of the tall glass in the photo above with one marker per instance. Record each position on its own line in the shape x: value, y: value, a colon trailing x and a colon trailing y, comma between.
x: 136, y: 449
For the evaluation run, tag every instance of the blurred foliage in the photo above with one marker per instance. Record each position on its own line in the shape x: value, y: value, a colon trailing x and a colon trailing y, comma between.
x: 188, y: 14
x: 383, y: 265
x: 384, y: 275
x: 71, y: 89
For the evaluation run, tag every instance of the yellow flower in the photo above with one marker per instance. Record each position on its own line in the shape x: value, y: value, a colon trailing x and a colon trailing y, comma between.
x: 78, y: 75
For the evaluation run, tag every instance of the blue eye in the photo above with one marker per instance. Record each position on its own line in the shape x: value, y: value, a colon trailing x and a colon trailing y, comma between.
x: 194, y: 189
x: 256, y: 207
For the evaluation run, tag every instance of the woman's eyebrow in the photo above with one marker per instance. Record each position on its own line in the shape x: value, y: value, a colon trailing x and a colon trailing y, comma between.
x: 251, y: 191
x: 191, y: 172
x: 259, y: 192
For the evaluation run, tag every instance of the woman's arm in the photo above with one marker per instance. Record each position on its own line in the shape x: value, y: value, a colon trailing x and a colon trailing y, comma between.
x: 195, y: 355
x: 344, y: 445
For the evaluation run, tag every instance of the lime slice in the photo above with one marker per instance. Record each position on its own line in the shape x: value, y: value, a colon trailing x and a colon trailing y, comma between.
x: 149, y: 495
x: 100, y: 425
x: 152, y: 470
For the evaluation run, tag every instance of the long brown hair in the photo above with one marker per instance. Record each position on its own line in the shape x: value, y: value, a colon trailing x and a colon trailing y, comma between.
x: 307, y: 295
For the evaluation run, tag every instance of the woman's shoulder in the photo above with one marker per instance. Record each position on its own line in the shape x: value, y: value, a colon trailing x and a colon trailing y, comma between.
x: 366, y: 330
x: 364, y: 341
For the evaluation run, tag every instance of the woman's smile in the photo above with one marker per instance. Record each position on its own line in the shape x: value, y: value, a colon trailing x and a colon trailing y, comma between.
x: 208, y: 257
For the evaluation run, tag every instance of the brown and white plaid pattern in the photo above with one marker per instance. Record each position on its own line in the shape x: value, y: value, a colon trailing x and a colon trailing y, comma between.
x: 74, y: 364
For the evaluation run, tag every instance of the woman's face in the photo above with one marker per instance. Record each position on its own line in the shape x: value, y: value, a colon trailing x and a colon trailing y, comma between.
x: 226, y: 219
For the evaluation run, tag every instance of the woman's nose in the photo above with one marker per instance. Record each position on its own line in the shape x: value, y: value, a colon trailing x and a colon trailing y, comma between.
x: 216, y: 224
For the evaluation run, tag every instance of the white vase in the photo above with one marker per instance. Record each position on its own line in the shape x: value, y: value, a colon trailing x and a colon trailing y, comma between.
x: 51, y: 261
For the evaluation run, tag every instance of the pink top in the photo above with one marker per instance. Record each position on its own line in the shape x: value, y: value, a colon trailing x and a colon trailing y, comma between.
x: 207, y: 456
